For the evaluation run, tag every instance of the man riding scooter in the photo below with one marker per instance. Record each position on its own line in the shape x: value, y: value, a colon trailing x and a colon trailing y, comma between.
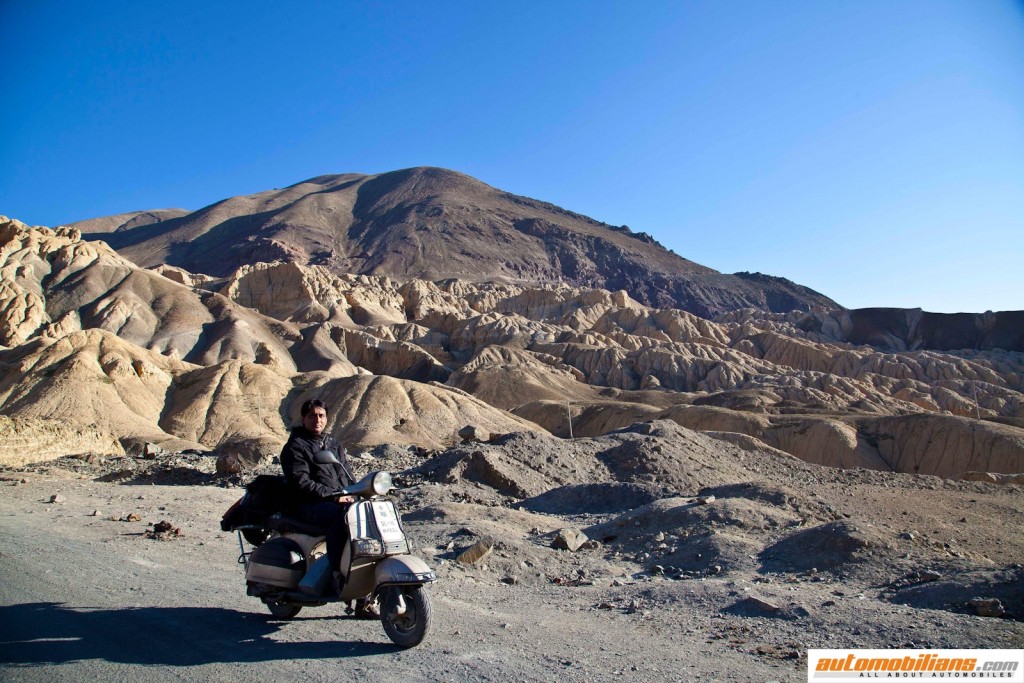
x: 314, y: 480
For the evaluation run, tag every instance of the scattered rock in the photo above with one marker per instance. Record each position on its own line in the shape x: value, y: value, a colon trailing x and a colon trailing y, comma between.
x: 250, y: 453
x: 151, y: 451
x: 130, y: 517
x: 993, y: 477
x: 988, y: 607
x: 572, y: 581
x: 569, y: 539
x: 753, y: 606
x: 476, y: 553
x: 163, y: 531
x: 229, y: 463
x: 56, y: 498
x: 474, y: 433
x: 510, y: 580
x: 786, y: 651
x: 759, y: 604
x: 704, y: 500
x: 915, y: 578
x: 118, y: 475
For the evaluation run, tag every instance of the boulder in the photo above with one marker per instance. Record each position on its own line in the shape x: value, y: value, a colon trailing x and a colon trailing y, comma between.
x: 474, y: 433
x: 569, y: 539
x: 988, y: 607
x: 476, y: 553
x: 229, y: 463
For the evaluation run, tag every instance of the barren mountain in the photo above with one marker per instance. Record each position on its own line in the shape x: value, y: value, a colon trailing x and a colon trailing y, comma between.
x: 126, y: 221
x: 431, y: 224
x: 193, y: 361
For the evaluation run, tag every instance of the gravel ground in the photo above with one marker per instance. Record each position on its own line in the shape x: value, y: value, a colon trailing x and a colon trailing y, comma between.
x: 732, y: 580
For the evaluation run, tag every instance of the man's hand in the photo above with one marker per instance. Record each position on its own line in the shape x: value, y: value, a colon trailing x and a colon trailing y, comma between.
x: 345, y: 499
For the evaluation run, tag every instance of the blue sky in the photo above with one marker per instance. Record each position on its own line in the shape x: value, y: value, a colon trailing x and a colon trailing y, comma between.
x: 873, y: 151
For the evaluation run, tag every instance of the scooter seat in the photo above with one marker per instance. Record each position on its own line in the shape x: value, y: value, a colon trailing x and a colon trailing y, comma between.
x: 283, y: 523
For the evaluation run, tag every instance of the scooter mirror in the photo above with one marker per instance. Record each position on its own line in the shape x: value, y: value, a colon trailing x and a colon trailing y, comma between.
x: 324, y: 457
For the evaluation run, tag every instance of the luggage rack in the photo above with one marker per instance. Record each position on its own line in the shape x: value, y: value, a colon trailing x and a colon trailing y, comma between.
x: 243, y: 556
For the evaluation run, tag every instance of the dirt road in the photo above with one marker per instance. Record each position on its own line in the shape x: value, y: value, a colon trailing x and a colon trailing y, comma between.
x: 84, y: 597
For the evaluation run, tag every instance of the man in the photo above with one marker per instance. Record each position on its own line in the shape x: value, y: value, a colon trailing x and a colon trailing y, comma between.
x: 317, y: 483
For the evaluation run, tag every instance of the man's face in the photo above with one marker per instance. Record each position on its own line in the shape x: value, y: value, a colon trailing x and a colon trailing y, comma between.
x: 315, y: 420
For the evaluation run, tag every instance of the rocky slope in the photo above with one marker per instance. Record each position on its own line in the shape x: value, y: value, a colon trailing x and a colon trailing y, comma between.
x: 431, y: 223
x: 194, y: 361
x: 903, y: 329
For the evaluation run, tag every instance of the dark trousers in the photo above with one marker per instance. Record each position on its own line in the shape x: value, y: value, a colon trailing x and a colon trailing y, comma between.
x: 329, y: 516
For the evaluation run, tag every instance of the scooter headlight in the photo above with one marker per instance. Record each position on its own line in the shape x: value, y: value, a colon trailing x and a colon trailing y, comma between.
x: 368, y: 547
x: 382, y: 483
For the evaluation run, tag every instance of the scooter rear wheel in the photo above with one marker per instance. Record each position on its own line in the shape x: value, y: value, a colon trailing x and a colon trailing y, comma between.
x: 407, y: 629
x: 283, y: 610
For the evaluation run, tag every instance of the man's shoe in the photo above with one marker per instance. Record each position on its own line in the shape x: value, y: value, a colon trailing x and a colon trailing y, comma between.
x: 366, y: 609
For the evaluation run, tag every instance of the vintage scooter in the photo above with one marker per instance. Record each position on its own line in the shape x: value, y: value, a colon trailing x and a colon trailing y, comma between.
x: 287, y: 565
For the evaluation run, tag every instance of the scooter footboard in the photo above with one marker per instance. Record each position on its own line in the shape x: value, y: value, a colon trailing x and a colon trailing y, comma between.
x: 403, y: 569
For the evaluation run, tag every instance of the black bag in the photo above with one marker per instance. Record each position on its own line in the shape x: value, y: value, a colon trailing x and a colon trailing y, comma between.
x: 264, y: 496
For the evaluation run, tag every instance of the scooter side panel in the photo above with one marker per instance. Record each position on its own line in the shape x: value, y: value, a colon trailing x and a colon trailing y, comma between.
x: 360, y: 580
x: 278, y: 562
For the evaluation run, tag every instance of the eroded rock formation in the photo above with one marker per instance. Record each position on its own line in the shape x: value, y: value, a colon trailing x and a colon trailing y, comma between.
x: 93, y: 339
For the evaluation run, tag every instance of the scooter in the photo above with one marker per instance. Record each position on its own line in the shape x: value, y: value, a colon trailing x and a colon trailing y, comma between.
x: 286, y: 565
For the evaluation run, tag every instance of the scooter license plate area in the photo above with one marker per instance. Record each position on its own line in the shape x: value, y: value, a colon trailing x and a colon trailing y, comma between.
x: 386, y: 516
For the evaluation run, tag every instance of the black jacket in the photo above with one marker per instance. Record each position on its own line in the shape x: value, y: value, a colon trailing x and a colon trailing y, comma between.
x: 313, y: 481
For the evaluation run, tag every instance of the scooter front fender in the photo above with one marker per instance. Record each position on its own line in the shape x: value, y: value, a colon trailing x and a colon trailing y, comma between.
x: 403, y: 569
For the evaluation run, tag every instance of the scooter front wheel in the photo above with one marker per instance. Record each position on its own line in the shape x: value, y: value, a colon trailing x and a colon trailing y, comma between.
x: 405, y: 628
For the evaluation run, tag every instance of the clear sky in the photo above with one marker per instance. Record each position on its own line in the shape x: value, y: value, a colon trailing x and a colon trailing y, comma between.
x: 871, y: 150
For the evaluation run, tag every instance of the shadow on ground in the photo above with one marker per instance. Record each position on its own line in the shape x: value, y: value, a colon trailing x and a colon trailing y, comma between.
x: 49, y: 633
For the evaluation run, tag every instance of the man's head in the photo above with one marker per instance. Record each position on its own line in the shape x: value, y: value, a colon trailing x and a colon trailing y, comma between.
x: 314, y: 416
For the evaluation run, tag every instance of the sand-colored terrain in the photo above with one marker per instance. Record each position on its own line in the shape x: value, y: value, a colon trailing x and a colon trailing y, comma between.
x: 665, y: 497
x: 97, y: 342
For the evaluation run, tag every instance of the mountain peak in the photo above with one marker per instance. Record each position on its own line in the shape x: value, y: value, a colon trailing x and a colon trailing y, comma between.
x: 435, y: 223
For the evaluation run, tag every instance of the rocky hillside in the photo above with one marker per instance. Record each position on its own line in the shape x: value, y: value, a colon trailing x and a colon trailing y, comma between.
x: 903, y: 329
x: 432, y: 224
x: 191, y: 361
